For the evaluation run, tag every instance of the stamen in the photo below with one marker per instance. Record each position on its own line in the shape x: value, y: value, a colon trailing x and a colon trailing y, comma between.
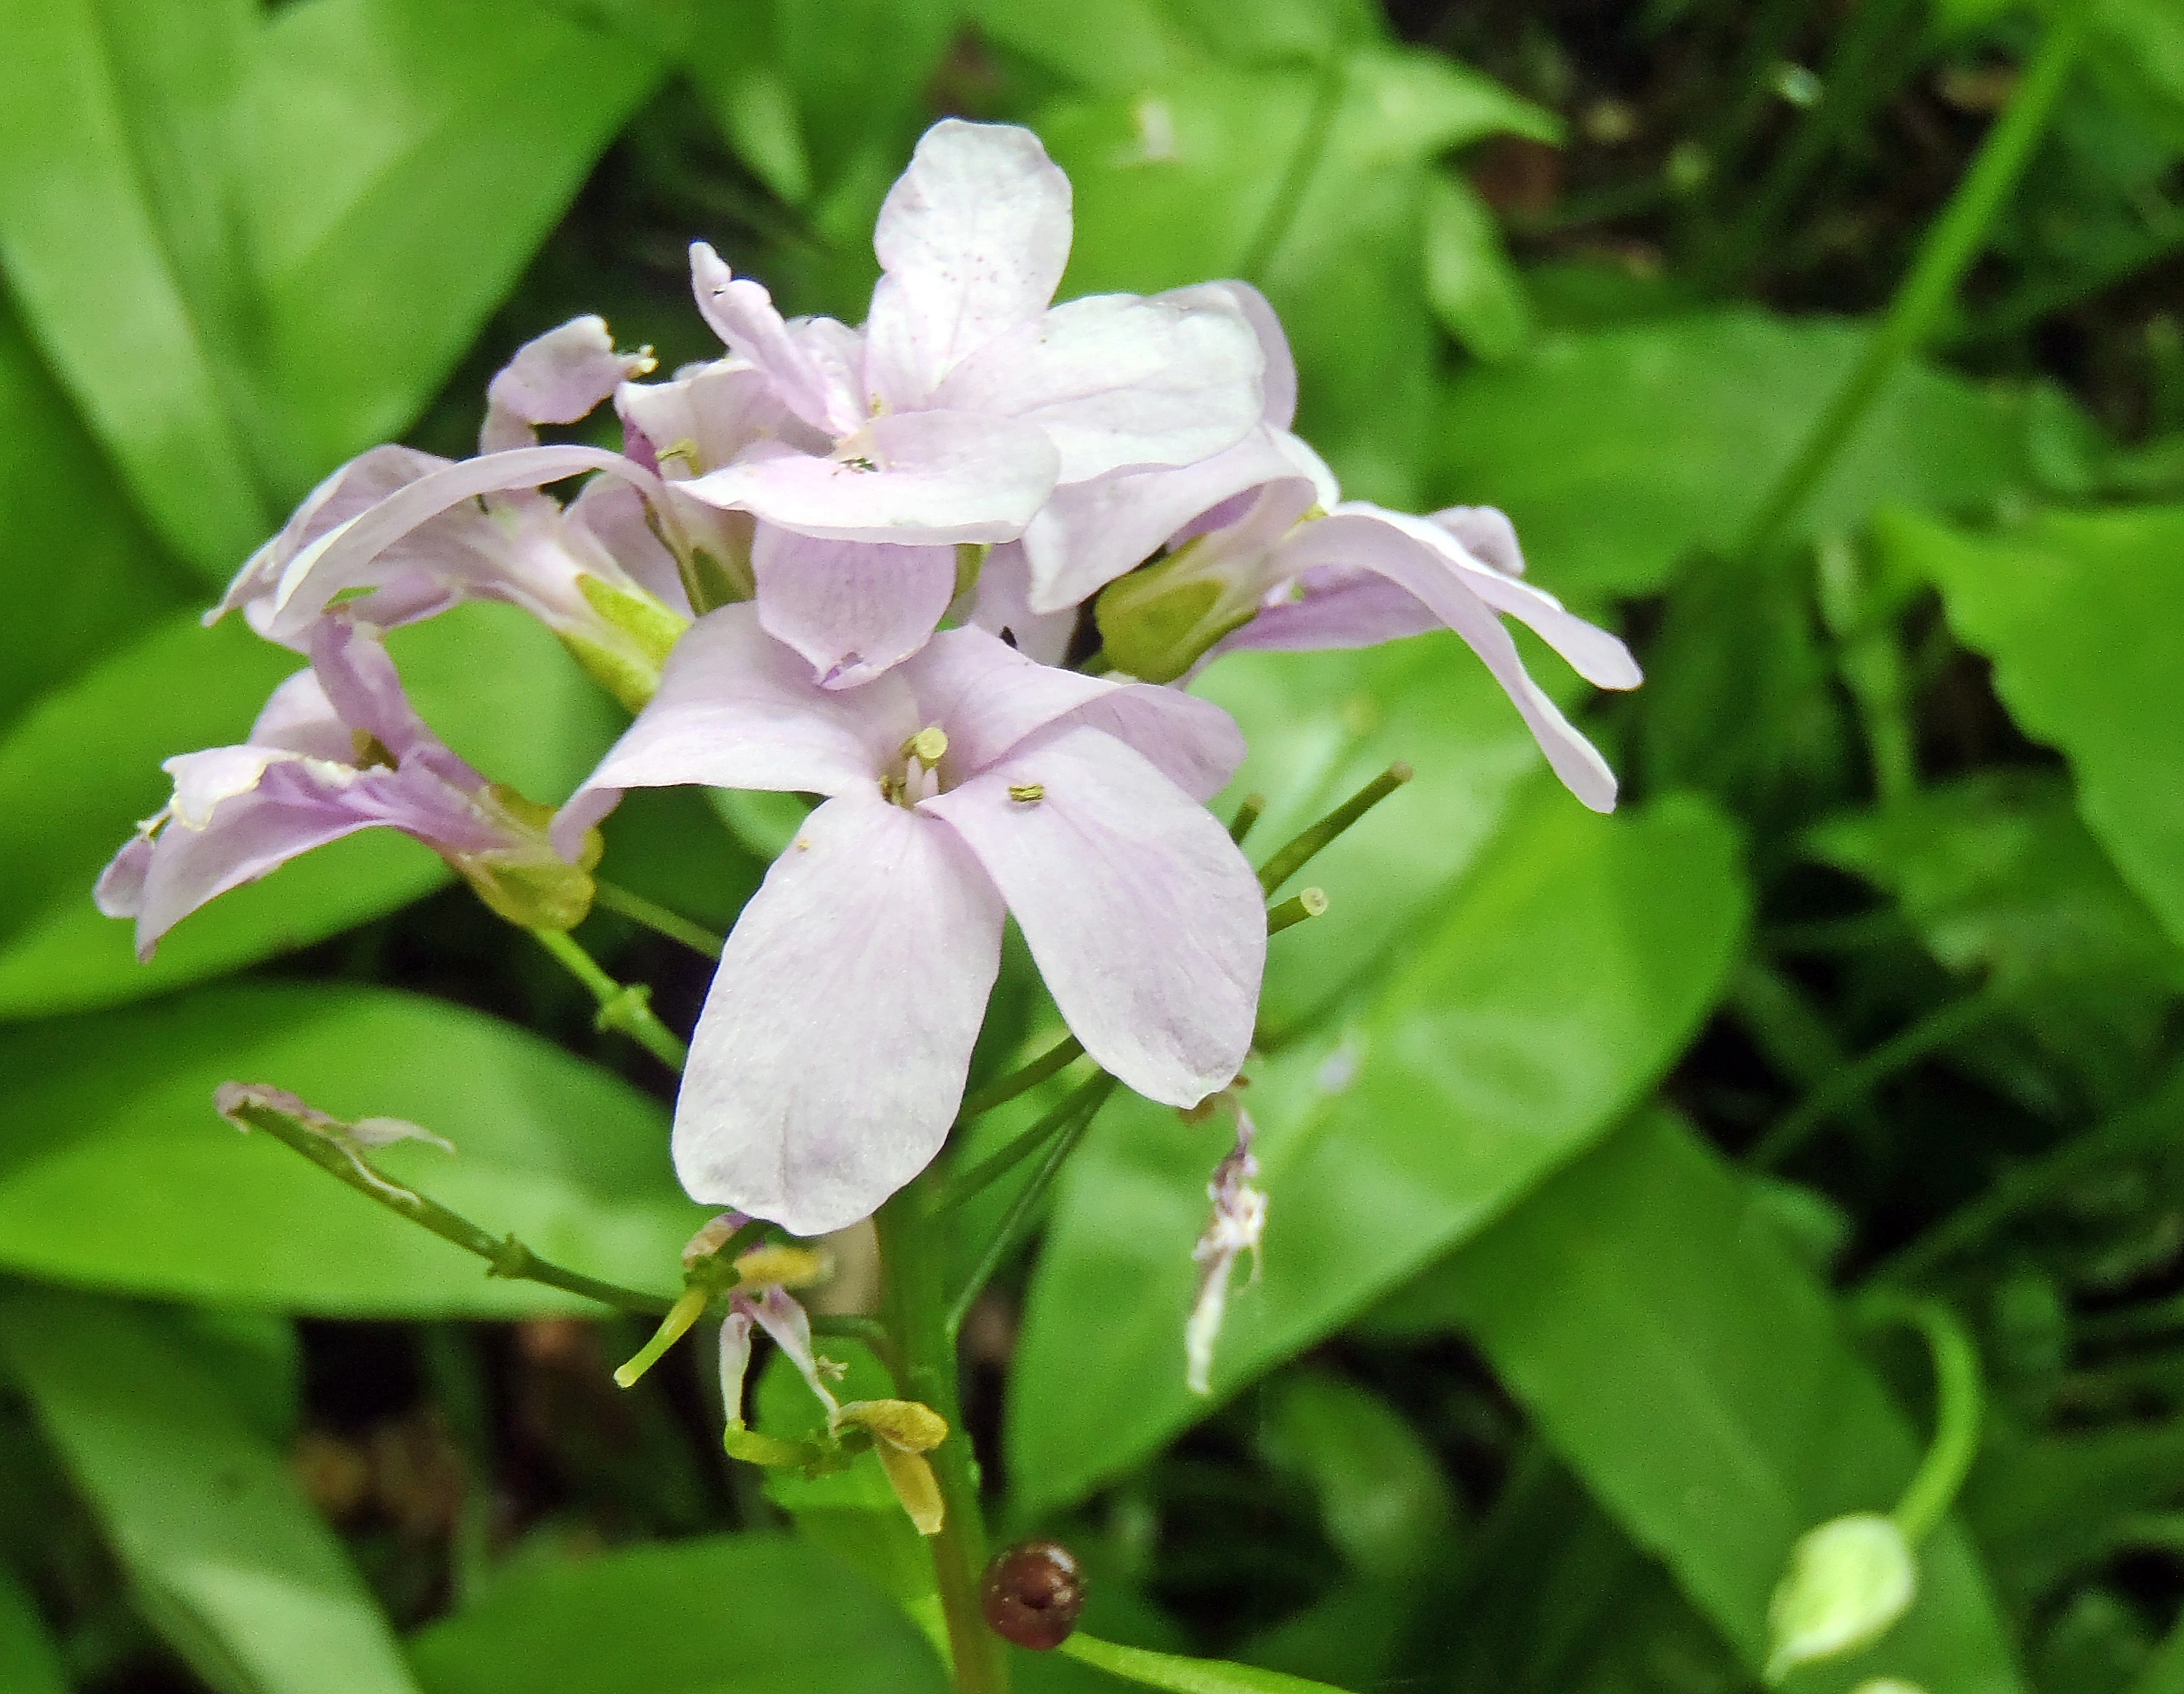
x: 928, y: 747
x: 1027, y: 793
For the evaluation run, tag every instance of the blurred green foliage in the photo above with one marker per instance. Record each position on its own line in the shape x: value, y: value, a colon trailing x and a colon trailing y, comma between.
x: 1577, y: 1131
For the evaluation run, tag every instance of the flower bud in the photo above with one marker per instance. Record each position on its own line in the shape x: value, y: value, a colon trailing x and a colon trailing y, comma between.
x: 1033, y: 1594
x: 1848, y: 1581
x: 1157, y: 623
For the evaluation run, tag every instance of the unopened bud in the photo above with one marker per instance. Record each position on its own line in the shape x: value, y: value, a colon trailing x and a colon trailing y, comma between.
x: 1848, y: 1581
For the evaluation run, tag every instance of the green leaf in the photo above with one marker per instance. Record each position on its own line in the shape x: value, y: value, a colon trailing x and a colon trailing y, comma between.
x: 229, y: 1561
x: 79, y: 572
x: 1470, y: 283
x: 77, y: 772
x: 1618, y: 452
x: 1383, y: 1497
x: 721, y: 1614
x: 2078, y: 611
x: 1181, y: 1675
x: 89, y: 132
x: 1320, y: 726
x: 1698, y: 1381
x: 1194, y: 178
x: 116, y: 1174
x: 1554, y: 986
x: 28, y: 1662
x: 401, y: 160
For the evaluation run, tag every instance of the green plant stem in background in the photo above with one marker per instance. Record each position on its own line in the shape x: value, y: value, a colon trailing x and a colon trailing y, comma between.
x: 624, y: 1007
x: 1289, y: 192
x: 658, y: 919
x: 990, y: 1169
x: 1959, y: 1404
x: 1905, y: 1048
x: 1016, y: 1220
x: 1248, y: 814
x: 999, y: 1093
x: 1304, y: 848
x: 1950, y: 246
x: 1180, y: 1675
x: 506, y: 1257
x: 924, y: 1356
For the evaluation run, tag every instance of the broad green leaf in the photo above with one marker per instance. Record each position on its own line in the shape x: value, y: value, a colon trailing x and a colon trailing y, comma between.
x: 1470, y: 283
x: 1321, y: 726
x: 1699, y: 1382
x: 1383, y: 1497
x: 1180, y: 1675
x: 229, y: 1561
x: 1620, y: 451
x: 2078, y: 611
x: 92, y: 130
x: 28, y: 1662
x: 77, y: 772
x: 1545, y: 997
x: 79, y: 572
x: 2137, y: 56
x: 2047, y: 1507
x: 116, y: 1174
x: 723, y: 1614
x: 401, y: 160
x: 1193, y: 178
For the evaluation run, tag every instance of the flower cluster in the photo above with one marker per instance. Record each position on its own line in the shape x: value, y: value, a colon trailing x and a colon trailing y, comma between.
x: 950, y: 572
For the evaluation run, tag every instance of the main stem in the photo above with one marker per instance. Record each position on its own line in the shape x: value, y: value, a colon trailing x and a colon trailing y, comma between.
x: 1947, y: 253
x: 915, y: 1305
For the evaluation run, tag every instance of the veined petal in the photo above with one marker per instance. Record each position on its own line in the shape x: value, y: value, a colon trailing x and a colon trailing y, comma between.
x: 365, y: 691
x: 298, y: 718
x: 736, y: 709
x: 829, y: 1060
x: 1384, y: 543
x: 1091, y: 533
x: 1278, y: 383
x: 743, y: 315
x: 922, y: 478
x: 1001, y: 606
x: 1116, y: 381
x: 1335, y: 607
x: 707, y: 418
x: 1146, y: 920
x: 853, y: 608
x: 783, y: 1317
x: 557, y: 378
x: 973, y: 238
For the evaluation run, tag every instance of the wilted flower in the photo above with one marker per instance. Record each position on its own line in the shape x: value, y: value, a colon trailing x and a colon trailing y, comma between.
x: 831, y: 1054
x: 338, y: 749
x: 1237, y: 1226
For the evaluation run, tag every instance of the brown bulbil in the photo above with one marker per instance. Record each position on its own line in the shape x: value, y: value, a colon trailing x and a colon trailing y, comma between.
x: 1033, y: 1593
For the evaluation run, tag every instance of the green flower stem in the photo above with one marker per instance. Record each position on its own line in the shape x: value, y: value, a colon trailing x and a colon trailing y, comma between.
x: 1311, y: 902
x: 1059, y: 1056
x: 1087, y: 1103
x: 505, y: 1258
x: 983, y: 1175
x: 1300, y: 851
x: 1954, y: 240
x: 1850, y: 1086
x: 924, y: 1356
x: 626, y: 1007
x: 1959, y: 1403
x: 658, y: 919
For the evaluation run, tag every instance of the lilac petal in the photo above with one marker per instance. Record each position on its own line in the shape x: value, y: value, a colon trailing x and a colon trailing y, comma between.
x: 783, y: 1317
x: 1146, y: 920
x: 735, y: 1356
x: 1591, y: 652
x: 936, y: 478
x: 1486, y: 534
x: 615, y: 518
x: 1117, y: 382
x: 1091, y: 533
x: 709, y: 417
x: 853, y: 608
x: 743, y: 316
x: 365, y: 691
x: 298, y: 718
x: 344, y: 556
x: 1280, y: 382
x: 1002, y: 606
x: 1384, y: 543
x: 736, y: 709
x: 973, y: 238
x: 830, y: 1058
x: 556, y: 379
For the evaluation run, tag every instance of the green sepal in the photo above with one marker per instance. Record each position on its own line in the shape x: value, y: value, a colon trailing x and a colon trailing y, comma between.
x: 1157, y: 623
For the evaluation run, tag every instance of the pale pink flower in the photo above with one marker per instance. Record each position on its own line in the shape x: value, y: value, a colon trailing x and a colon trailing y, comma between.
x: 830, y: 1058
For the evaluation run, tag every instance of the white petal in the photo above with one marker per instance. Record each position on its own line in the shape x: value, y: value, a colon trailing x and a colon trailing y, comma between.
x: 935, y: 478
x: 973, y: 238
x: 1145, y: 919
x: 829, y: 1060
x: 1002, y: 603
x: 1117, y: 381
x: 1280, y: 382
x: 1378, y: 541
x: 702, y: 421
x: 557, y: 378
x: 853, y: 608
x: 743, y: 315
x: 1091, y: 533
x: 1485, y: 533
x: 736, y: 709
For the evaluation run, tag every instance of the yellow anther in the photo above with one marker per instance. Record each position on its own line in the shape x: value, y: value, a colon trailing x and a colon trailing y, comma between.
x: 1027, y: 792
x: 685, y: 450
x: 928, y: 747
